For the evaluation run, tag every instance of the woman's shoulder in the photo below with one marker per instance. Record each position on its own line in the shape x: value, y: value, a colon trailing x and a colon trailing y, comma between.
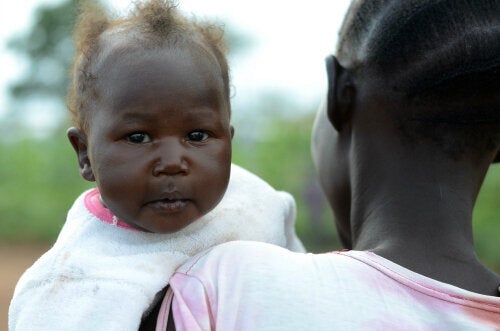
x: 234, y: 251
x: 239, y: 257
x: 233, y: 256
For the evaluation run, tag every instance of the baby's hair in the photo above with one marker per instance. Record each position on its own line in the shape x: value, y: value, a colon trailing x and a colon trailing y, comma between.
x: 153, y: 24
x: 444, y: 50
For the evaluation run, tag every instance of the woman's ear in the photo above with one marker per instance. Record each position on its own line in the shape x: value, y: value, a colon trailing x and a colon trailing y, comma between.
x: 340, y: 95
x: 78, y: 140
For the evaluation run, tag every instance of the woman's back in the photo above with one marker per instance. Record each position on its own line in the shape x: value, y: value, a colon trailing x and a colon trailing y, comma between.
x: 352, y: 290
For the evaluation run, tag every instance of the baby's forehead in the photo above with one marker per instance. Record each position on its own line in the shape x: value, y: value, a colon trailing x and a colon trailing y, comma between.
x: 129, y: 60
x: 127, y: 71
x: 170, y: 66
x: 116, y: 42
x: 126, y: 43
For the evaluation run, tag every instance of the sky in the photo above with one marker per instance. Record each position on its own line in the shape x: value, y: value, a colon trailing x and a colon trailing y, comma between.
x: 290, y: 40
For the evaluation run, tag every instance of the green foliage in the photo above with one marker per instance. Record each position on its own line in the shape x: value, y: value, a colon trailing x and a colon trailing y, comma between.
x: 487, y: 219
x: 40, y: 180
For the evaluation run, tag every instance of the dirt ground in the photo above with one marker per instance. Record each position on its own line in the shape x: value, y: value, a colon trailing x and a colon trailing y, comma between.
x: 14, y: 259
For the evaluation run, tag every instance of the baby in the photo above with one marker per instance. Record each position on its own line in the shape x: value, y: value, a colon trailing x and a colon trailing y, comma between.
x: 150, y: 101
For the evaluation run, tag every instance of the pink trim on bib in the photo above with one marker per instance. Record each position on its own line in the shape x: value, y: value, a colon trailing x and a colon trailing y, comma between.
x: 96, y: 208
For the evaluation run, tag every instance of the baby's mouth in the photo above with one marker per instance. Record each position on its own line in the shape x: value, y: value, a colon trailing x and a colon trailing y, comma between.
x: 169, y: 205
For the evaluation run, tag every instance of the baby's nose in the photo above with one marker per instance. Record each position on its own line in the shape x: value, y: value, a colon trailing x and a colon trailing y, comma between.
x: 171, y: 159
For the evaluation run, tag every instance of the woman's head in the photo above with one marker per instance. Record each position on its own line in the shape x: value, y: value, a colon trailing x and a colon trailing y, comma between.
x: 442, y: 56
x: 420, y: 43
x: 443, y: 52
x: 414, y: 76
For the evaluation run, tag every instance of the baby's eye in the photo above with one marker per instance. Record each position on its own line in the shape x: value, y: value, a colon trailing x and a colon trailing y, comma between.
x: 138, y: 138
x: 197, y: 136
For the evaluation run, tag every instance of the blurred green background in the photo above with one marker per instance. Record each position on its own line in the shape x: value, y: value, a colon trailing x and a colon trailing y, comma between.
x: 40, y: 177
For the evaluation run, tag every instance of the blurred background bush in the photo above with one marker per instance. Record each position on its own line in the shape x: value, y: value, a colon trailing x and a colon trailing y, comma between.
x: 39, y: 172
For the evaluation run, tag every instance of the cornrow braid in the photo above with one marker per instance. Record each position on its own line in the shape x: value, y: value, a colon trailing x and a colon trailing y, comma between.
x: 420, y: 44
x: 441, y: 54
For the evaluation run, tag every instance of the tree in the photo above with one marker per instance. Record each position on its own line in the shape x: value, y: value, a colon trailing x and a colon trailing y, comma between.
x: 49, y: 48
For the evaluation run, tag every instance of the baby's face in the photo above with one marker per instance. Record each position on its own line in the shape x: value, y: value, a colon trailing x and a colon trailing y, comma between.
x: 160, y: 138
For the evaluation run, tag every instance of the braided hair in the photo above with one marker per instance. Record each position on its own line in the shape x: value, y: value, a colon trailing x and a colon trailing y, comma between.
x: 441, y: 54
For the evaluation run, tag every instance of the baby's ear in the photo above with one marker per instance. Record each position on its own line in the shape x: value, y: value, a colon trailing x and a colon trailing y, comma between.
x: 78, y: 140
x: 341, y: 93
x: 232, y: 131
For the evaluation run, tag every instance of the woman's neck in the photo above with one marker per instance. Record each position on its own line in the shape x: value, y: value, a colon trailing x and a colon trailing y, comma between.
x: 419, y: 215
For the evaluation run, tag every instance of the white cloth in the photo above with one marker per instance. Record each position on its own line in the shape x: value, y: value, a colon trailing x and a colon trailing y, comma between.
x: 101, y: 277
x: 249, y: 286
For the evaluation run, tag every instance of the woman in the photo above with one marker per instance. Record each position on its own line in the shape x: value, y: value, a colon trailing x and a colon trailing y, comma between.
x: 402, y: 145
